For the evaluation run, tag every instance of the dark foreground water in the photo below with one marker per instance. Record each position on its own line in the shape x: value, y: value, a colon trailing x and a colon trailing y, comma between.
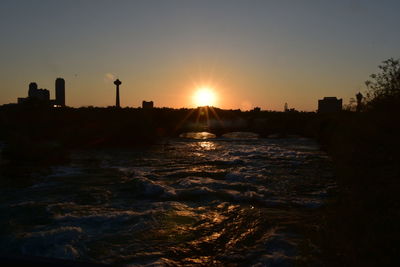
x: 219, y: 201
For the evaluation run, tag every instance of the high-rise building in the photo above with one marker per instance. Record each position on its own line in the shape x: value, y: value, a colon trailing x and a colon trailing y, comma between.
x: 32, y: 89
x: 60, y: 92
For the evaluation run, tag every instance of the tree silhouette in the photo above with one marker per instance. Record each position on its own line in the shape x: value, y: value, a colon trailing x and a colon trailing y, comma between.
x: 359, y: 98
x: 384, y: 87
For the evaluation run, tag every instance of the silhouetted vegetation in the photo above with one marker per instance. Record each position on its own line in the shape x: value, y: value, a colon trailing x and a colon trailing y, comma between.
x: 361, y: 227
x: 384, y: 87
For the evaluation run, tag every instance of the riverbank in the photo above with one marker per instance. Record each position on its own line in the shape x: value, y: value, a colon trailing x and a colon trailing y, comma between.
x: 361, y: 228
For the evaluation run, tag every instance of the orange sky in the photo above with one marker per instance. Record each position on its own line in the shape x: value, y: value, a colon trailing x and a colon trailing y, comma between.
x: 253, y: 53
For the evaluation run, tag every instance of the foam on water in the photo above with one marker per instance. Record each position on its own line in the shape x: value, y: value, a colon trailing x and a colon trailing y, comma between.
x: 227, y: 201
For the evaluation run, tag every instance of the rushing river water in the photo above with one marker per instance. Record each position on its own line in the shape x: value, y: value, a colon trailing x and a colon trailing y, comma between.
x: 231, y: 200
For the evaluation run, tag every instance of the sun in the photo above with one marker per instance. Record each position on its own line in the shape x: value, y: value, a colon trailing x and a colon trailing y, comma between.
x: 204, y: 96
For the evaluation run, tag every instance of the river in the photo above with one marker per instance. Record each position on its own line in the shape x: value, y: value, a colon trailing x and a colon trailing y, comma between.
x: 237, y: 200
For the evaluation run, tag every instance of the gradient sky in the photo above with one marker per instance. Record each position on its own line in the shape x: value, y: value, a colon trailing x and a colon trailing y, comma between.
x: 253, y: 52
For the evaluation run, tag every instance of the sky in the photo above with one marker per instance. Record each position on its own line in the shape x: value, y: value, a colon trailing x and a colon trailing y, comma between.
x: 252, y: 53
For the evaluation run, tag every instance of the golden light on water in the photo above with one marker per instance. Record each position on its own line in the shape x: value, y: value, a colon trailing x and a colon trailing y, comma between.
x: 206, y: 145
x: 204, y: 96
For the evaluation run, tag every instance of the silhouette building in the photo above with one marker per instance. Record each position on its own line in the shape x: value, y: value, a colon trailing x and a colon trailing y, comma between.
x: 329, y: 104
x: 117, y: 83
x: 60, y: 92
x: 32, y: 89
x: 287, y: 109
x: 147, y: 105
x: 36, y: 95
x: 42, y: 96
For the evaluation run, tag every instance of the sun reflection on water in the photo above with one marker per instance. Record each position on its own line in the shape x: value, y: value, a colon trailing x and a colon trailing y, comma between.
x: 199, y: 147
x: 207, y: 145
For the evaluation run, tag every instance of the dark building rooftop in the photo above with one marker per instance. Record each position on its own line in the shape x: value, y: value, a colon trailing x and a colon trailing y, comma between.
x: 147, y: 105
x: 329, y: 104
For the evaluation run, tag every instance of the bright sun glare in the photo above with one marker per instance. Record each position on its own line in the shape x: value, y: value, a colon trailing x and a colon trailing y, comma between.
x: 204, y: 96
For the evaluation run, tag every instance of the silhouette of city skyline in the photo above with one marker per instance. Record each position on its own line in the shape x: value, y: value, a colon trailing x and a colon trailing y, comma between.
x: 42, y: 96
x: 327, y: 104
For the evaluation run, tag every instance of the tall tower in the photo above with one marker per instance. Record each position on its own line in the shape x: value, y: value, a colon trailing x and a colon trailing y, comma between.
x: 60, y: 92
x: 117, y: 83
